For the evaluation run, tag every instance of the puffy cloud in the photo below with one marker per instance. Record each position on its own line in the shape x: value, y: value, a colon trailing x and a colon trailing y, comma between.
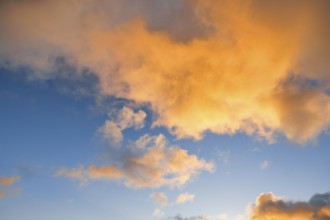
x: 119, y: 121
x: 185, y: 197
x: 160, y: 198
x: 154, y: 166
x: 223, y: 66
x: 269, y: 207
x: 264, y: 165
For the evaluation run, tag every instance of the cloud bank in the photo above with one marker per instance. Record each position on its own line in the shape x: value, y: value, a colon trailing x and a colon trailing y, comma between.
x: 222, y: 66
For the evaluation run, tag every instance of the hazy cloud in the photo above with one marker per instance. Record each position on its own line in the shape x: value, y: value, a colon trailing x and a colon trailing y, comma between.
x: 160, y: 198
x: 264, y: 165
x: 5, y: 185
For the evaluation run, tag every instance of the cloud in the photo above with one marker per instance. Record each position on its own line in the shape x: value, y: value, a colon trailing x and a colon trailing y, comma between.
x: 185, y: 197
x: 160, y: 198
x: 5, y: 185
x: 157, y: 213
x: 269, y: 206
x: 157, y: 165
x: 223, y: 66
x: 264, y: 165
x: 121, y: 120
x: 8, y: 181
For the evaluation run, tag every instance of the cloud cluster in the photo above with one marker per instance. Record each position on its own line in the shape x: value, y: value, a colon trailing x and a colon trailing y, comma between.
x: 156, y: 165
x: 223, y: 66
x: 125, y: 118
x: 5, y: 183
x: 270, y: 207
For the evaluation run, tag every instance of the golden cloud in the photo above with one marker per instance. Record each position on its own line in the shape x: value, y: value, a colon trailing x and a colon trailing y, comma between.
x: 270, y: 207
x: 154, y: 166
x: 223, y: 66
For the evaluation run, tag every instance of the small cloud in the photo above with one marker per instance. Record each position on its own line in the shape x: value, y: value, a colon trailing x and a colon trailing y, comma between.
x: 158, y: 213
x: 160, y: 198
x: 7, y: 181
x: 185, y: 197
x: 264, y: 165
x: 5, y: 186
x: 121, y: 120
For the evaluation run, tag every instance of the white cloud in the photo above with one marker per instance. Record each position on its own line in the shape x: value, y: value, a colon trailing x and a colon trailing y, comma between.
x: 265, y: 165
x: 158, y: 213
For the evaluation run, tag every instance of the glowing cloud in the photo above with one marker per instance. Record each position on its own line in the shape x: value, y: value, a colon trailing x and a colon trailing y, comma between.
x: 154, y: 166
x: 268, y: 207
x: 255, y: 67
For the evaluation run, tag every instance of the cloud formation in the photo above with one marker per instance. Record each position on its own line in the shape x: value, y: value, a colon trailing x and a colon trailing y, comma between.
x: 159, y: 164
x: 223, y: 66
x: 185, y: 197
x: 269, y: 207
x: 121, y: 120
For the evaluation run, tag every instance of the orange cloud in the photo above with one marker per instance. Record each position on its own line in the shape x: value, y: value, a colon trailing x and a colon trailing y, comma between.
x: 154, y: 166
x: 222, y: 66
x: 7, y: 181
x: 269, y: 207
x: 5, y: 184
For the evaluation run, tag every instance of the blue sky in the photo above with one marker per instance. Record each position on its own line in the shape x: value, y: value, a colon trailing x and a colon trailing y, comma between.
x: 114, y: 111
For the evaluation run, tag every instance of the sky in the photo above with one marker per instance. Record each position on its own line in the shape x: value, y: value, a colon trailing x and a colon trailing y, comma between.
x: 164, y: 109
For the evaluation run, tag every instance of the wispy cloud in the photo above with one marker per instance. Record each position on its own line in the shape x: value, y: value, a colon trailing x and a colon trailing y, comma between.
x: 160, y: 198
